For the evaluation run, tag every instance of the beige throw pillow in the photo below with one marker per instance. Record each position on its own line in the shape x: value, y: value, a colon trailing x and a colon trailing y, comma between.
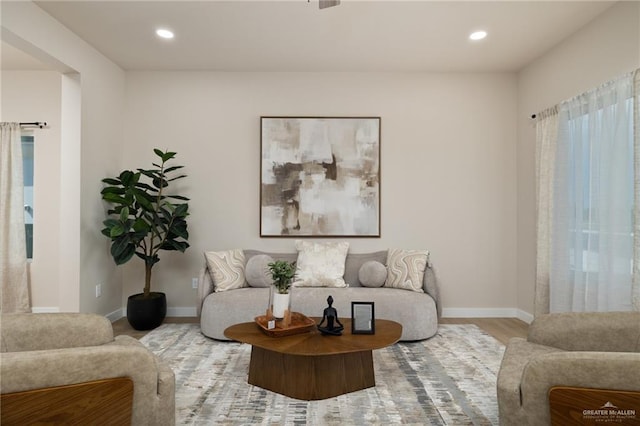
x: 226, y: 269
x: 405, y: 269
x: 257, y: 271
x: 320, y: 264
x: 372, y: 274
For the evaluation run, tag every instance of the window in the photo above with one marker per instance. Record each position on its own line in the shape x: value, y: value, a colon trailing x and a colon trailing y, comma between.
x: 27, y: 170
x: 591, y: 264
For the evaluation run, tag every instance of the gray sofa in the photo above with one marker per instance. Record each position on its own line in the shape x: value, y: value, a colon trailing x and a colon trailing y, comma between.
x: 581, y: 351
x: 417, y: 312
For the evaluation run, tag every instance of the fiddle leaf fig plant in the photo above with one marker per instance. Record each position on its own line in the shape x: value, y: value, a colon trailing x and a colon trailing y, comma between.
x: 145, y: 217
x: 282, y: 274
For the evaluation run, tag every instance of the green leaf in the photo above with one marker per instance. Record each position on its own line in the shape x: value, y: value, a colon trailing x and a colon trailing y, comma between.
x: 141, y: 198
x: 181, y: 210
x: 160, y: 183
x: 122, y: 249
x: 151, y: 174
x: 112, y: 181
x: 115, y: 198
x: 117, y: 230
x: 177, y: 177
x: 145, y: 186
x: 141, y: 226
x: 124, y: 214
x: 178, y: 197
x: 110, y: 223
x: 112, y: 190
x: 127, y: 177
x: 172, y: 168
x: 180, y: 233
x: 158, y: 152
x: 168, y: 156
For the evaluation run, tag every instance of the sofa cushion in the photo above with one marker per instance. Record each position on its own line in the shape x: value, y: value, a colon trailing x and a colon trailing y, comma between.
x: 226, y: 269
x: 405, y: 269
x: 257, y: 271
x: 372, y: 274
x: 320, y: 264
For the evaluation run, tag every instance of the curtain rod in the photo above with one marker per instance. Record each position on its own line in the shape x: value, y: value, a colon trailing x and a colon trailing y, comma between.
x: 40, y: 124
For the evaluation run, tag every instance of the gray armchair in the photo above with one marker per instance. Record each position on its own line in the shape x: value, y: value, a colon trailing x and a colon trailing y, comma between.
x: 69, y: 369
x: 581, y: 361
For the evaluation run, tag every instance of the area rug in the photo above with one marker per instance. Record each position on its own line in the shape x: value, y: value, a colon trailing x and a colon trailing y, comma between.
x: 449, y: 379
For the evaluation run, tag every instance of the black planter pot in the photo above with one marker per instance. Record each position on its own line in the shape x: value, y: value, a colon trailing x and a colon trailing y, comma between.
x: 146, y: 314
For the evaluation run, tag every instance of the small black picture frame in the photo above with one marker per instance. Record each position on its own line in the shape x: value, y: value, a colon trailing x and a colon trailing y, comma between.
x: 363, y: 318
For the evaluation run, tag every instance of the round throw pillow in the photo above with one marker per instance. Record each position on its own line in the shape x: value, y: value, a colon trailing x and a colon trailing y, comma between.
x: 372, y: 274
x: 256, y: 271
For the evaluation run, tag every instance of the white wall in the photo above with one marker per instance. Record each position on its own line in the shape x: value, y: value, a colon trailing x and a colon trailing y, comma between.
x: 91, y: 150
x: 606, y: 48
x: 35, y: 96
x: 448, y: 167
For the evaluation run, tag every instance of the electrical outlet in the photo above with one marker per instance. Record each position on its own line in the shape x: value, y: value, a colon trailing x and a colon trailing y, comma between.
x: 194, y: 283
x: 98, y: 290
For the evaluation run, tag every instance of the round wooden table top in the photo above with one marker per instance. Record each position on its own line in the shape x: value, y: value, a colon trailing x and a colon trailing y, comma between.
x: 314, y: 343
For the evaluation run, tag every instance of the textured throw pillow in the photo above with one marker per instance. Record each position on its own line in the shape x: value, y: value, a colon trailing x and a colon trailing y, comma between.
x: 320, y: 264
x: 372, y: 274
x: 257, y: 271
x: 405, y: 269
x: 226, y: 269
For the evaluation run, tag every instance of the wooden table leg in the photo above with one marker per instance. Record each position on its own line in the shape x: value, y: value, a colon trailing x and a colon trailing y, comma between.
x: 311, y: 377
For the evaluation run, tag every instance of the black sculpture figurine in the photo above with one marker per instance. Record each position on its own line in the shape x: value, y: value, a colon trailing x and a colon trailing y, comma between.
x: 331, y: 315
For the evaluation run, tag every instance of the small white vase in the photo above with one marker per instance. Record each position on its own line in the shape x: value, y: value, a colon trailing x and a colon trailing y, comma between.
x: 280, y: 304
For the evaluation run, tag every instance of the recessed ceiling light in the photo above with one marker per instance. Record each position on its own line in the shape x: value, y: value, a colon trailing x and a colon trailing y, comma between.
x: 478, y: 35
x: 164, y: 33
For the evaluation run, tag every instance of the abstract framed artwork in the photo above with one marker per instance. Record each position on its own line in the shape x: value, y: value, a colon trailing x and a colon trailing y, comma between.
x: 320, y: 177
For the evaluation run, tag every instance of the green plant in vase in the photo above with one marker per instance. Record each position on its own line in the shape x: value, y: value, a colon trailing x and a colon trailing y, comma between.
x: 144, y: 219
x: 282, y: 274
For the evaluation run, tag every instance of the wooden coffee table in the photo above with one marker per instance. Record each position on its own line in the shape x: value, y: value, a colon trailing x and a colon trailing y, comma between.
x: 311, y: 366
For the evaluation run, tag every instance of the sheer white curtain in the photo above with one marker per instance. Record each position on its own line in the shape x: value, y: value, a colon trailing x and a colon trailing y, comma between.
x: 586, y: 202
x: 14, y: 290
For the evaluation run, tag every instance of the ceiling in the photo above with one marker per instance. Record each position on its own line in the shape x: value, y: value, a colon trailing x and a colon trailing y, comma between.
x: 294, y: 35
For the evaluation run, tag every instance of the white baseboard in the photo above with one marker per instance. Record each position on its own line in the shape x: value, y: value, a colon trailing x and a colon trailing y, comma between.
x: 487, y: 313
x: 525, y: 316
x: 45, y: 310
x: 182, y: 312
x: 115, y: 315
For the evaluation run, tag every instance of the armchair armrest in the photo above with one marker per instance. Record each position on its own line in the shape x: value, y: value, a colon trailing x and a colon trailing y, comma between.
x: 598, y: 370
x: 601, y: 331
x: 29, y: 332
x: 616, y: 371
x: 22, y: 371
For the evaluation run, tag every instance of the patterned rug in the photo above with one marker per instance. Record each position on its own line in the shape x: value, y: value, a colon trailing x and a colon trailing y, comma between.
x: 449, y: 379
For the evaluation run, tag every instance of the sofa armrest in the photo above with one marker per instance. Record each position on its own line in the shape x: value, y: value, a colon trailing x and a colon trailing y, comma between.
x: 431, y: 287
x: 590, y: 331
x: 205, y: 288
x: 29, y: 332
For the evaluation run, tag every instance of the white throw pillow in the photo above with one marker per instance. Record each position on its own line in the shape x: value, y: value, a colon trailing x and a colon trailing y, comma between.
x: 405, y: 269
x: 257, y: 271
x: 226, y: 269
x: 320, y: 264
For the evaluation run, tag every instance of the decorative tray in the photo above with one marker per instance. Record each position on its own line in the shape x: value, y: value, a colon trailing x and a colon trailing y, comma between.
x: 299, y: 324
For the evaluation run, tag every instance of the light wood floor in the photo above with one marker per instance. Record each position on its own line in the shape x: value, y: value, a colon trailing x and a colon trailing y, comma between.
x: 501, y: 328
